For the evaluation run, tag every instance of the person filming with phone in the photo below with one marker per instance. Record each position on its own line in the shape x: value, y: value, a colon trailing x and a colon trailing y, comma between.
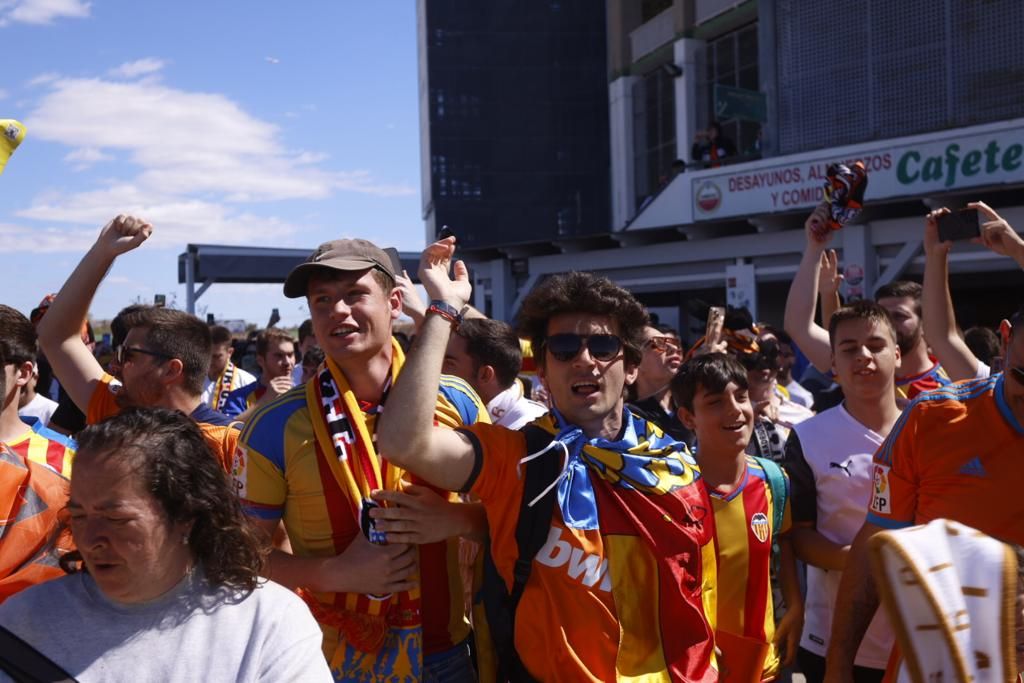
x: 981, y: 225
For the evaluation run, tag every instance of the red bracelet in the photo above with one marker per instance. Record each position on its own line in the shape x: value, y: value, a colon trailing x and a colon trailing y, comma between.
x: 446, y: 311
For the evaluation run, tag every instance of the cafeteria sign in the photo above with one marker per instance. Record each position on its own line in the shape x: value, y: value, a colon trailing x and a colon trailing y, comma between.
x: 938, y: 162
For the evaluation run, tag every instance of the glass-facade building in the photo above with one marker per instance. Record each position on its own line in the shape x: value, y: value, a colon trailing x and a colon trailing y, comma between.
x: 514, y: 120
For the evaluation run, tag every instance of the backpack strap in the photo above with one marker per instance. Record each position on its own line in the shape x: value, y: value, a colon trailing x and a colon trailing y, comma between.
x: 22, y: 662
x: 532, y: 530
x: 777, y: 485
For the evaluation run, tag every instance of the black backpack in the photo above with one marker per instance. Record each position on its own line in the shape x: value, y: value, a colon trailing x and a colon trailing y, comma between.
x: 531, y: 533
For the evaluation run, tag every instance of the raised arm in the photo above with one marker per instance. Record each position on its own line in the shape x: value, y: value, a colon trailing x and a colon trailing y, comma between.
x: 829, y: 280
x: 60, y: 329
x: 811, y: 338
x: 407, y: 435
x: 857, y: 601
x: 939, y: 319
x: 997, y: 234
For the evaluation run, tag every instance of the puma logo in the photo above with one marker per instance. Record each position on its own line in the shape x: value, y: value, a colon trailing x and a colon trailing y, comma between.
x: 845, y: 467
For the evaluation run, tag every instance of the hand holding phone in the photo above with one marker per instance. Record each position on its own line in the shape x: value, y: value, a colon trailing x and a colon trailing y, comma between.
x: 958, y: 225
x: 713, y: 329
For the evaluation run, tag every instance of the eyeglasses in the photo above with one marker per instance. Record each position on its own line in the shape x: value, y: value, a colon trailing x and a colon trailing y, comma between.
x: 565, y: 347
x: 124, y: 354
x: 663, y: 344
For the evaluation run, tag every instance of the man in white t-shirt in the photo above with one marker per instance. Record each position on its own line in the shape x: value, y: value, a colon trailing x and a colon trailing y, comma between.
x: 829, y: 460
x: 35, y: 407
x: 223, y: 376
x: 486, y: 354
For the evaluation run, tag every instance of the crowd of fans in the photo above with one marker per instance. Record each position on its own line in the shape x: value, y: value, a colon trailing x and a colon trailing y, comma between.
x: 579, y: 498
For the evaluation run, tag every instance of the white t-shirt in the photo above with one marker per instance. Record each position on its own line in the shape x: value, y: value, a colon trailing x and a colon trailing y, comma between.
x: 192, y: 633
x: 239, y: 379
x: 513, y: 410
x: 838, y: 450
x: 40, y: 408
x: 797, y: 394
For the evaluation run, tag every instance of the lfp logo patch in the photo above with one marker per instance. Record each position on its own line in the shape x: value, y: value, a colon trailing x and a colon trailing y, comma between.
x: 880, y: 496
x: 759, y: 525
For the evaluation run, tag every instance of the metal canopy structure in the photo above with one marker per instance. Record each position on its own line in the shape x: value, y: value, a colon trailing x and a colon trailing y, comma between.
x: 202, y: 265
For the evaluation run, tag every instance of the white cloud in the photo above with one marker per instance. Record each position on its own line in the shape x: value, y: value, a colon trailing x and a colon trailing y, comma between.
x: 84, y: 157
x: 272, y: 60
x: 44, y: 79
x: 176, y: 220
x: 22, y: 239
x: 194, y: 158
x: 140, y: 67
x: 189, y: 142
x: 3, y: 94
x: 41, y: 11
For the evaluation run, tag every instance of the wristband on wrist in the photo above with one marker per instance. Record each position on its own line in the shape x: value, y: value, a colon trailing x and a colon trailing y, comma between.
x: 446, y: 311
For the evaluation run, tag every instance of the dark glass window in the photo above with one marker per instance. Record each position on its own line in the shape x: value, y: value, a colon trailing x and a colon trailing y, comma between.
x: 732, y: 61
x: 654, y: 132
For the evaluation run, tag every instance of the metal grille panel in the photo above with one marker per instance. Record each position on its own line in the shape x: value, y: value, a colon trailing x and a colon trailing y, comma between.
x: 873, y: 69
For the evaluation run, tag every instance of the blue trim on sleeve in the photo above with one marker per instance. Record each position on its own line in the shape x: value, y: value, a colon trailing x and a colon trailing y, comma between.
x: 264, y: 512
x: 958, y: 391
x: 265, y: 431
x: 887, y: 523
x: 49, y: 434
x: 238, y: 400
x: 1003, y: 406
x: 462, y: 397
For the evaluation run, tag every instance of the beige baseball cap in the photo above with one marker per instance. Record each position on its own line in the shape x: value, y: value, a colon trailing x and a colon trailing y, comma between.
x: 343, y: 255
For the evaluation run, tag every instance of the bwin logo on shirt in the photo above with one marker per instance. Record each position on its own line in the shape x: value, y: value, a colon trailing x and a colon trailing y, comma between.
x: 587, y: 569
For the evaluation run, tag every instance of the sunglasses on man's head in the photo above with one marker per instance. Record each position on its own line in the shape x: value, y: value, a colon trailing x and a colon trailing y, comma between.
x: 663, y: 344
x: 565, y: 347
x: 124, y: 354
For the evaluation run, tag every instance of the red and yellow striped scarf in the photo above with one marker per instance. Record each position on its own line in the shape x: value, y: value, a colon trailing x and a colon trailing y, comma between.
x: 348, y: 458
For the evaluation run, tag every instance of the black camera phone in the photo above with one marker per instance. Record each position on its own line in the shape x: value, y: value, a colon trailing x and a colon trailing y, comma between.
x: 959, y: 225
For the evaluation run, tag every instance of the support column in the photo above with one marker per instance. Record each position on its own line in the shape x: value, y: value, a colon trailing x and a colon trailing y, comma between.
x: 688, y: 56
x: 860, y: 267
x: 190, y: 280
x: 620, y: 124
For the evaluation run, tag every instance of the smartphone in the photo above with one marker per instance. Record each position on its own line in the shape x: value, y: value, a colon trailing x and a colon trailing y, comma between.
x: 716, y: 318
x: 396, y: 260
x: 959, y: 225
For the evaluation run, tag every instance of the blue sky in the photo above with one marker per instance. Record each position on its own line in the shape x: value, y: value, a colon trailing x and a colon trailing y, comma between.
x: 228, y: 122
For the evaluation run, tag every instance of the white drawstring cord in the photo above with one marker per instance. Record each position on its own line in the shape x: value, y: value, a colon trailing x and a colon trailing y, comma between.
x: 562, y: 475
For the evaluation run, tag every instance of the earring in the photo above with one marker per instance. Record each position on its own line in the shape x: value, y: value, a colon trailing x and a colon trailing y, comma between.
x: 184, y: 539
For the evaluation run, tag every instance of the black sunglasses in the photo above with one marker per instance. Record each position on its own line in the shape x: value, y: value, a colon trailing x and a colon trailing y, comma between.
x: 124, y: 354
x: 565, y: 347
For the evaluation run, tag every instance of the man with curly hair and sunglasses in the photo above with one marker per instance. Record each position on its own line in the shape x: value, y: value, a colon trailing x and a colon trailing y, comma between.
x: 629, y: 528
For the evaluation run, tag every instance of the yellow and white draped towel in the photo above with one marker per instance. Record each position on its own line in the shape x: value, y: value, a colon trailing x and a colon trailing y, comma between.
x: 951, y: 592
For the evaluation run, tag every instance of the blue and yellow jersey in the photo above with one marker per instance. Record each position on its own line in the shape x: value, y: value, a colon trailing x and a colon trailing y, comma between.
x: 912, y: 386
x: 281, y: 476
x: 743, y: 548
x: 243, y: 398
x: 954, y: 453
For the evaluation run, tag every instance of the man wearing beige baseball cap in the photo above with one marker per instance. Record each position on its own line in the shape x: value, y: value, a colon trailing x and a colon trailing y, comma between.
x: 310, y: 459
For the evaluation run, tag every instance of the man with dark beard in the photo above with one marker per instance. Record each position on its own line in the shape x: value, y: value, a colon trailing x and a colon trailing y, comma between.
x: 919, y: 371
x: 164, y: 357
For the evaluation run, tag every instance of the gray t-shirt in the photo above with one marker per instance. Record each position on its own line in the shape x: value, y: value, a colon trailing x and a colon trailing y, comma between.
x: 192, y: 633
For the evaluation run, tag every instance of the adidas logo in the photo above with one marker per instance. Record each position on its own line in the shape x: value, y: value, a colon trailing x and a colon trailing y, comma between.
x: 974, y: 468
